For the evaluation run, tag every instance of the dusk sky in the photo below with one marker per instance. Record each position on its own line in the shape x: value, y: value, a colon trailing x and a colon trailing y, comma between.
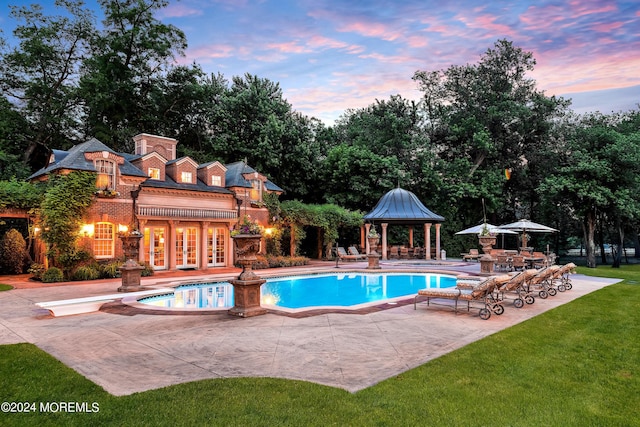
x: 329, y: 56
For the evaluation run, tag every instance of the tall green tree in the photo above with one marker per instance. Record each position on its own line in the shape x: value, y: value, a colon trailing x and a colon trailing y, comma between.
x: 15, y: 135
x: 486, y: 118
x: 129, y: 57
x: 379, y: 147
x: 599, y: 177
x: 39, y: 75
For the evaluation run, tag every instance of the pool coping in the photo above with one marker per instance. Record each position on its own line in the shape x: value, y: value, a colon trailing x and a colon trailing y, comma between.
x: 136, y: 307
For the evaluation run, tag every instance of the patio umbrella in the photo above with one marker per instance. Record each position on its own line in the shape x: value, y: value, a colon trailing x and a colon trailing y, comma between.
x: 526, y: 225
x: 492, y: 229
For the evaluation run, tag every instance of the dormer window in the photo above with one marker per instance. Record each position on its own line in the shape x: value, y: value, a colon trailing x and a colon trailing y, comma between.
x: 256, y: 190
x: 154, y: 173
x: 216, y: 180
x: 106, y: 170
x: 186, y: 177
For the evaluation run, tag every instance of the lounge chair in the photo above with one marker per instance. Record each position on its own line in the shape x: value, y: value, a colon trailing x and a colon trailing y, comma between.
x: 481, y: 293
x: 343, y: 255
x: 517, y: 284
x: 542, y: 282
x: 561, y: 278
x: 473, y: 254
x: 354, y: 251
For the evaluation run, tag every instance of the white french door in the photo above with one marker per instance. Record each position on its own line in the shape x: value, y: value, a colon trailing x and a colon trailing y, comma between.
x: 154, y: 242
x: 186, y: 247
x: 216, y: 246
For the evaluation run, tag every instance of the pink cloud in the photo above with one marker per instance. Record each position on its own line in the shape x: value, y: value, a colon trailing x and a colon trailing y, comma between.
x: 370, y: 29
x: 179, y: 11
x: 607, y: 27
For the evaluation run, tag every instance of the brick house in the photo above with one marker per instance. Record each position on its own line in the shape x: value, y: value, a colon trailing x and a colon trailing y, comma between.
x: 183, y: 209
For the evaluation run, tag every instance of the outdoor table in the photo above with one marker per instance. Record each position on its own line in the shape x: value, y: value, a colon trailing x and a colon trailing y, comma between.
x: 532, y: 260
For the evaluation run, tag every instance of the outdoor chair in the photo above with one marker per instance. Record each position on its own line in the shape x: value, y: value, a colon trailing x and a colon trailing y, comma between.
x: 343, y: 255
x: 393, y: 252
x: 517, y: 284
x: 517, y: 262
x: 404, y: 252
x: 503, y: 263
x: 417, y: 252
x: 561, y: 277
x: 481, y: 294
x: 473, y: 254
x: 542, y: 282
x: 354, y: 251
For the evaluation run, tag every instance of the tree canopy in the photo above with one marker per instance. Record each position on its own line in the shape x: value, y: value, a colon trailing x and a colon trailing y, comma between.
x: 481, y: 132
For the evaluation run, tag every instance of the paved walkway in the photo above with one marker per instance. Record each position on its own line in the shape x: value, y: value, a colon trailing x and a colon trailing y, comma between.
x: 131, y: 353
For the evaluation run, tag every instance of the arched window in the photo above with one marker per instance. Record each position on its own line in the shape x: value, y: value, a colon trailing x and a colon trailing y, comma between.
x: 103, y: 240
x: 106, y: 174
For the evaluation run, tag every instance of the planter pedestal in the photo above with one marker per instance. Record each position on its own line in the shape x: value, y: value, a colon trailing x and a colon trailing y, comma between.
x: 246, y: 288
x: 131, y: 271
x: 373, y: 256
x: 487, y: 262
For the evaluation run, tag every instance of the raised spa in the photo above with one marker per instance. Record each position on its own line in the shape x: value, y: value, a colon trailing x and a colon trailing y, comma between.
x: 320, y: 290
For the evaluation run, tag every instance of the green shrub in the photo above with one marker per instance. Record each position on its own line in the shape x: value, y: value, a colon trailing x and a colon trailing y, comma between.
x: 71, y: 260
x: 86, y: 272
x: 110, y: 270
x: 14, y: 252
x: 148, y: 270
x: 53, y: 274
x: 270, y: 261
x: 36, y: 270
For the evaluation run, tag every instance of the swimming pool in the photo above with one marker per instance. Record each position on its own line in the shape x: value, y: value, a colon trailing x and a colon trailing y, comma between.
x: 310, y: 291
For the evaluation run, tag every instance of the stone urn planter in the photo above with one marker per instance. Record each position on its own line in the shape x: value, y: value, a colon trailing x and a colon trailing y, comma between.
x: 486, y: 261
x: 373, y: 256
x: 130, y: 271
x: 246, y: 288
x: 487, y: 243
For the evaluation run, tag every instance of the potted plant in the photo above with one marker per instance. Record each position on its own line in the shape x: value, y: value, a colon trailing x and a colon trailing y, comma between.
x: 486, y: 238
x: 374, y: 238
x: 246, y: 238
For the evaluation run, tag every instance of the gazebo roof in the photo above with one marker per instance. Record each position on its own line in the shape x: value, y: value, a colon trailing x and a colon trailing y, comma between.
x: 401, y: 207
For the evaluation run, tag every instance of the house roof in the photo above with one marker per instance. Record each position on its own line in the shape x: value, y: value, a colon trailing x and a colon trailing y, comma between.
x: 235, y: 177
x: 74, y: 159
x: 198, y: 186
x: 403, y: 207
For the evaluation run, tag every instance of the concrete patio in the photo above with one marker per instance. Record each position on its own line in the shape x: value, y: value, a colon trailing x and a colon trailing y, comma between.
x: 128, y: 352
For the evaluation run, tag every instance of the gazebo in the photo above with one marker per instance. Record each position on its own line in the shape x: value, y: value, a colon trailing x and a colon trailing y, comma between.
x: 402, y: 207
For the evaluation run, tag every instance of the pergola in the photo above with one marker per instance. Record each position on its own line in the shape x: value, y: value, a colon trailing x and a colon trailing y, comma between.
x: 402, y: 207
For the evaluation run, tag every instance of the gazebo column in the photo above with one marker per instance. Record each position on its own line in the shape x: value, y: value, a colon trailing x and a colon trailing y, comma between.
x: 411, y: 236
x: 438, y: 240
x: 384, y: 240
x: 366, y: 241
x: 427, y: 240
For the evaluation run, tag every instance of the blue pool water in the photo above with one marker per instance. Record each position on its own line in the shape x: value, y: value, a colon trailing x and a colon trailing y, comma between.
x: 341, y: 290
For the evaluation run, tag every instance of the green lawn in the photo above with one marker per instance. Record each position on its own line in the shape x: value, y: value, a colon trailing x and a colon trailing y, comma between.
x: 577, y: 365
x: 4, y: 287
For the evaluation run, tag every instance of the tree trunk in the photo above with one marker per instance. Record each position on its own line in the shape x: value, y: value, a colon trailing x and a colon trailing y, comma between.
x: 292, y: 241
x: 603, y: 253
x: 636, y: 243
x: 589, y: 228
x: 617, y: 257
x: 320, y: 244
